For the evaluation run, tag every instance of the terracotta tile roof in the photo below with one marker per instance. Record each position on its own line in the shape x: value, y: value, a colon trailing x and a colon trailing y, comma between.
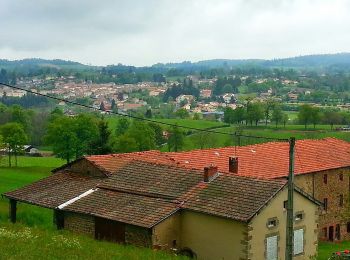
x: 54, y: 190
x: 271, y: 160
x: 233, y: 197
x: 124, y: 207
x: 162, y: 189
x: 112, y: 162
x: 153, y: 179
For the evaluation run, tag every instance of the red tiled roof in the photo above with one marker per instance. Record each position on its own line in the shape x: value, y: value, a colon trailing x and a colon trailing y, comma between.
x: 140, y: 188
x: 112, y: 162
x: 271, y: 160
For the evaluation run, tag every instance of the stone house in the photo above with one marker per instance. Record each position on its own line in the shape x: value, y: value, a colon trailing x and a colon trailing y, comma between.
x: 322, y: 169
x: 148, y: 199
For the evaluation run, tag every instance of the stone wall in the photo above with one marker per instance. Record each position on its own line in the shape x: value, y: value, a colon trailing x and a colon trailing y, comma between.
x: 138, y: 236
x: 85, y: 167
x: 79, y: 223
x: 335, y: 214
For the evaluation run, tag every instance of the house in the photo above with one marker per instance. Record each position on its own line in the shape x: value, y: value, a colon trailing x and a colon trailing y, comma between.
x: 148, y: 199
x: 206, y: 93
x: 30, y: 150
x: 322, y: 169
x: 229, y: 98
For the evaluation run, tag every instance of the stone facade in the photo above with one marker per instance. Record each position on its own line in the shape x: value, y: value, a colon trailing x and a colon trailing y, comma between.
x: 332, y: 187
x: 86, y: 167
x: 79, y: 223
x: 138, y: 236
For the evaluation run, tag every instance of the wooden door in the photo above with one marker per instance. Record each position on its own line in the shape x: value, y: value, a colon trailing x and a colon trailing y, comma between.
x: 331, y: 233
x: 109, y: 230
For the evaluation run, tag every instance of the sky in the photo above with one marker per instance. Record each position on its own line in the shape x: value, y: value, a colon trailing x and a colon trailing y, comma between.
x: 145, y: 32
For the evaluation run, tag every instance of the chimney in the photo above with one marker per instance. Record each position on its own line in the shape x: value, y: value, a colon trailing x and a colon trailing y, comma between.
x: 209, y: 172
x: 233, y: 164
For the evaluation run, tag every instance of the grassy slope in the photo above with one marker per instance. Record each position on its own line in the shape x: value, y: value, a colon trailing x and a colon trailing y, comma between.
x: 20, y: 242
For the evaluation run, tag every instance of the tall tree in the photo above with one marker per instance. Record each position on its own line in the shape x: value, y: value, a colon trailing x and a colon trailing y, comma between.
x: 14, y: 137
x: 315, y: 116
x: 61, y: 135
x: 176, y: 139
x: 122, y: 126
x: 102, y: 143
x: 277, y: 114
x: 143, y: 134
x: 305, y: 114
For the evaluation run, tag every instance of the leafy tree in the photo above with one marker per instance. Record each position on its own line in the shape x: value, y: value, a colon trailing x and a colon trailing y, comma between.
x: 332, y: 118
x: 101, y: 144
x: 182, y: 113
x: 285, y: 119
x: 143, y: 134
x: 61, y: 135
x: 14, y: 137
x: 114, y: 106
x: 229, y: 115
x: 176, y: 139
x: 255, y: 113
x: 148, y: 113
x: 122, y: 126
x: 86, y: 131
x: 158, y: 133
x: 125, y: 144
x: 277, y: 114
x: 315, y: 116
x: 102, y: 106
x: 268, y: 105
x: 196, y: 116
x: 305, y: 114
x: 200, y: 139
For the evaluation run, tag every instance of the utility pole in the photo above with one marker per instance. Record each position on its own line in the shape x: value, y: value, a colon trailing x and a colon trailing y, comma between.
x: 290, y: 213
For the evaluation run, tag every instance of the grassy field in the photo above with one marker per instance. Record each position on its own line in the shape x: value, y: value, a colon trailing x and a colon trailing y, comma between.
x: 201, y: 124
x: 20, y: 242
x: 34, y: 236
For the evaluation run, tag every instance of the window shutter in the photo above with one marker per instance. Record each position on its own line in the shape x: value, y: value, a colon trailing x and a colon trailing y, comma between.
x: 271, y: 248
x: 298, y: 241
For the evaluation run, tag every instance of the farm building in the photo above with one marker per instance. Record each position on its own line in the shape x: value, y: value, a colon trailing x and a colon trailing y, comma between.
x: 322, y: 169
x: 149, y: 199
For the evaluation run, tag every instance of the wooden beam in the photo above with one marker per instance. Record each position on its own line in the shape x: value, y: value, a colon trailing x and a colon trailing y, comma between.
x: 58, y: 218
x: 13, y: 210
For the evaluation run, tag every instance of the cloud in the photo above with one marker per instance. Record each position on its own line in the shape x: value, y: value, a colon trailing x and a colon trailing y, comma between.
x: 145, y: 32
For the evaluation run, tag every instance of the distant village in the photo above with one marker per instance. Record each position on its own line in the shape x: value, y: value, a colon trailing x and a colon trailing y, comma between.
x: 119, y: 97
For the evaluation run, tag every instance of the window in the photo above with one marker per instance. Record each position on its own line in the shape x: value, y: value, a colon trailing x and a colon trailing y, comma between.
x: 285, y: 204
x: 271, y: 248
x: 271, y: 222
x: 325, y: 204
x: 299, y: 216
x: 341, y: 200
x: 348, y: 227
x: 298, y: 241
x: 341, y: 177
x: 325, y: 178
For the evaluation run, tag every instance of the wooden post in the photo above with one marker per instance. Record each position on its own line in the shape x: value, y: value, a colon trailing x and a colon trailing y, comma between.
x: 290, y: 202
x: 13, y: 210
x: 58, y: 218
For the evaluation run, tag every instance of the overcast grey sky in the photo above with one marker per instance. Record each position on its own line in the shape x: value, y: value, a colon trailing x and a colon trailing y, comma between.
x: 144, y: 32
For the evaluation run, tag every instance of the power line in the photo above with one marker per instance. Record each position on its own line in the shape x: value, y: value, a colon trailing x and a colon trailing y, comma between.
x: 139, y: 118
